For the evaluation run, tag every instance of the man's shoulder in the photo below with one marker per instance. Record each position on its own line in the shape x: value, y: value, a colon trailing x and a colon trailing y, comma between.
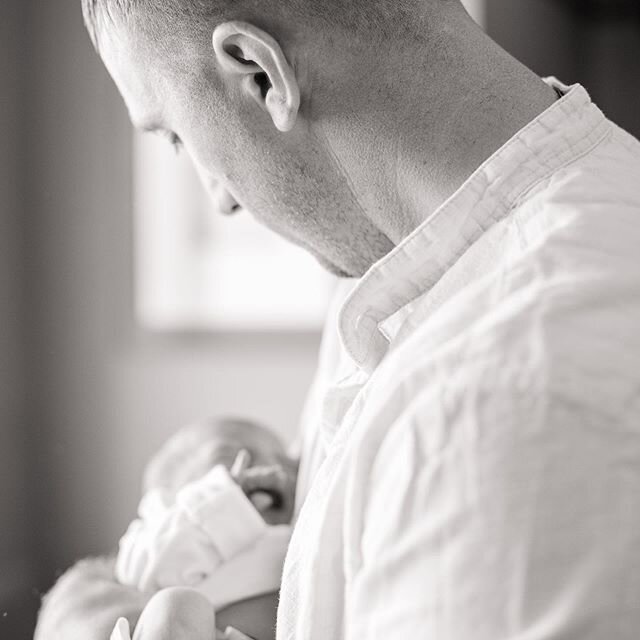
x: 548, y: 333
x: 510, y: 363
x: 595, y: 196
x: 559, y: 319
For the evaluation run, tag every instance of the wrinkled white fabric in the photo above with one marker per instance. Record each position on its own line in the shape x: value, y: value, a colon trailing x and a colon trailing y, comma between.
x: 211, y: 538
x: 476, y: 448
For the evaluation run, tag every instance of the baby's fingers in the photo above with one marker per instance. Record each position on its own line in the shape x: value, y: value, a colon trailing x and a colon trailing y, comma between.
x: 240, y: 464
x: 271, y: 480
x: 272, y: 492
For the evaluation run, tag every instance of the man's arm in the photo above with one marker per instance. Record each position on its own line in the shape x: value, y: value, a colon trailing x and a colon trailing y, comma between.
x: 506, y: 516
x: 86, y: 602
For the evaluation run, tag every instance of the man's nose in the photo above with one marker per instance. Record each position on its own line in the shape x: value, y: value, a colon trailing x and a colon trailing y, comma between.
x: 223, y: 201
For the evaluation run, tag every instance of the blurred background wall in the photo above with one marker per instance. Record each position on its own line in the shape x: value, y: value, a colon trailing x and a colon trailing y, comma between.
x: 17, y: 563
x: 594, y: 42
x: 85, y: 396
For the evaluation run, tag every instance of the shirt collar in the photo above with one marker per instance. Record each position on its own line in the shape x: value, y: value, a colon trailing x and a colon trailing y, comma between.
x: 565, y: 131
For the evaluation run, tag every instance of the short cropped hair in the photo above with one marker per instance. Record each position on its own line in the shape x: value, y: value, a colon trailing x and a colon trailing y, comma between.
x: 352, y: 15
x: 100, y: 13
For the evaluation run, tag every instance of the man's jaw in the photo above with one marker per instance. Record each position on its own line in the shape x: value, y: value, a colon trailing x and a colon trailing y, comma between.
x: 332, y: 268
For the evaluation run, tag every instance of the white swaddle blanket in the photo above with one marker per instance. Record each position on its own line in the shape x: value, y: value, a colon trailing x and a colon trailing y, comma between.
x: 210, y: 538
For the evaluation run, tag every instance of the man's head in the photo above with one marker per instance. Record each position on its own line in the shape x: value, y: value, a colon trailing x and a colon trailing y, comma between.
x: 289, y: 103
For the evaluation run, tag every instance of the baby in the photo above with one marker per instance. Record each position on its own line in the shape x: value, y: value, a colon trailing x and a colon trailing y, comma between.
x: 212, y: 532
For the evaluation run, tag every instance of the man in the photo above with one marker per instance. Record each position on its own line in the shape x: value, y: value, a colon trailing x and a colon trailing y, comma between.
x: 472, y: 464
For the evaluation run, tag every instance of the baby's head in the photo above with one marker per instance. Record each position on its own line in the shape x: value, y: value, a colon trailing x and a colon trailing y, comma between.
x: 195, y: 449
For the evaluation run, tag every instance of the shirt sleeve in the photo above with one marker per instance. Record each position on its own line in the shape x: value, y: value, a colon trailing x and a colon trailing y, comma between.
x: 497, y: 514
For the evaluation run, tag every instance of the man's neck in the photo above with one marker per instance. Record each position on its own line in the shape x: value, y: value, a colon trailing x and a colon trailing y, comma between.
x: 447, y: 107
x: 476, y: 97
x: 476, y: 114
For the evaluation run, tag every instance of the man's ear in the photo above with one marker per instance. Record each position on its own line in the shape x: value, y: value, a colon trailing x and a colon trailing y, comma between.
x: 257, y: 60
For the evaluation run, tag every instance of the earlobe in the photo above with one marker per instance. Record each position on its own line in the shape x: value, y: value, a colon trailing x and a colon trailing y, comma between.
x: 257, y: 60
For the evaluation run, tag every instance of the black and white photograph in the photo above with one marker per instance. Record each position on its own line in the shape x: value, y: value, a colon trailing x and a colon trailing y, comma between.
x: 320, y: 320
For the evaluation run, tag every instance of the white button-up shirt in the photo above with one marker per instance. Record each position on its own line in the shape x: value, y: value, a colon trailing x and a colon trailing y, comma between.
x: 472, y: 460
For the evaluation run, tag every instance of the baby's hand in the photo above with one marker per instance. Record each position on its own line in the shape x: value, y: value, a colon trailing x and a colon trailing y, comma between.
x: 271, y: 489
x: 176, y: 614
x: 172, y: 614
x: 182, y: 543
x: 195, y: 449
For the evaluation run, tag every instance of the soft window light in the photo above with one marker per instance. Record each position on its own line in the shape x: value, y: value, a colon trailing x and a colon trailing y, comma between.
x: 196, y: 270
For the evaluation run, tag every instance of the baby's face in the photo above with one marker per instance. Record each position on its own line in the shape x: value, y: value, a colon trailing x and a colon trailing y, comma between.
x: 197, y: 448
